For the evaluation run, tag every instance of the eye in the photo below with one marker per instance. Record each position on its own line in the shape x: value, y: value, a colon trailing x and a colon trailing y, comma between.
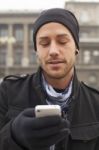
x: 63, y: 39
x: 44, y: 43
x: 63, y: 42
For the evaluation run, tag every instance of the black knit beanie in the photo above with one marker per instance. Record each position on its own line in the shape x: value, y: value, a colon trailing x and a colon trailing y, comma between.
x: 58, y: 15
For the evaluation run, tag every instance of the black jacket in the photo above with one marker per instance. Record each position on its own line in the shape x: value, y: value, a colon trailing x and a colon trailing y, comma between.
x: 18, y: 93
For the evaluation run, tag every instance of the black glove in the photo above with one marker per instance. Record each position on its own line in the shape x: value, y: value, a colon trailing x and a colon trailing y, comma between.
x: 38, y: 133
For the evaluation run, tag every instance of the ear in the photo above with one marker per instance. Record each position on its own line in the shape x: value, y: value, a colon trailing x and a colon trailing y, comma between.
x: 76, y: 52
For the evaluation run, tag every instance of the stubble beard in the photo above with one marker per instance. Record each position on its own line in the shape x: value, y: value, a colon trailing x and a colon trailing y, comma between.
x: 61, y: 76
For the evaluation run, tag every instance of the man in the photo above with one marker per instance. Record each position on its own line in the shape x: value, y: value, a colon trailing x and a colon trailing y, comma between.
x: 56, y: 42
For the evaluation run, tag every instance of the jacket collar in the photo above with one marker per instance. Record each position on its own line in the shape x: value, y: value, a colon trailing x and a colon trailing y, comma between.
x: 74, y: 95
x: 76, y: 85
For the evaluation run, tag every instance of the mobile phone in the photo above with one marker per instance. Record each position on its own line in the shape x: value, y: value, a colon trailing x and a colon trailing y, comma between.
x: 47, y: 110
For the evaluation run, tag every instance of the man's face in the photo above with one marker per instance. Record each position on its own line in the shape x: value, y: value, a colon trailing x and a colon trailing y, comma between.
x: 55, y: 50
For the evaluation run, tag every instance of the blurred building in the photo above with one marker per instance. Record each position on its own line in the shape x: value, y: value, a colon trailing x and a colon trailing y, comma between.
x: 16, y: 47
x: 88, y: 58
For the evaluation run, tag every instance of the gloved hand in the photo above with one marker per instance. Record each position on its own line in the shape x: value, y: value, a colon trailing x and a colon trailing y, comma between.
x: 38, y: 133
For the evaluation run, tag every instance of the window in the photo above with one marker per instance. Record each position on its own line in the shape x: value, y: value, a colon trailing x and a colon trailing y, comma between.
x: 92, y: 80
x: 95, y: 56
x: 86, y: 57
x: 84, y: 17
x: 32, y: 57
x: 89, y: 32
x: 31, y: 34
x: 3, y: 30
x: 18, y: 33
x: 83, y: 35
x: 18, y: 56
x: 3, y: 51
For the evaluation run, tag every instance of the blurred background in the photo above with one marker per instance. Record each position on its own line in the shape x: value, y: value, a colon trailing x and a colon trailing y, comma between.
x: 16, y: 28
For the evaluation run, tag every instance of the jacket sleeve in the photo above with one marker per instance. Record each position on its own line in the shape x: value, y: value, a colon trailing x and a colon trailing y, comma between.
x: 6, y: 140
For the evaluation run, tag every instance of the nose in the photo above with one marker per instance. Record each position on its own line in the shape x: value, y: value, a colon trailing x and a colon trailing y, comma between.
x: 53, y: 49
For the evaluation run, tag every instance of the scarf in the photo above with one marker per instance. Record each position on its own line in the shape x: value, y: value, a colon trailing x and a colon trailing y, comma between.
x: 57, y: 98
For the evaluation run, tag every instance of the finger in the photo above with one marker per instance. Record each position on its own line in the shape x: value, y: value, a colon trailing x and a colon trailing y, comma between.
x: 45, y: 122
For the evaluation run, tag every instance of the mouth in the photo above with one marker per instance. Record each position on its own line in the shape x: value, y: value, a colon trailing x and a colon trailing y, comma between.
x: 55, y: 62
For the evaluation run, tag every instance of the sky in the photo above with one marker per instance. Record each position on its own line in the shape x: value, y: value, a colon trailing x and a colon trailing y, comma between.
x: 32, y: 4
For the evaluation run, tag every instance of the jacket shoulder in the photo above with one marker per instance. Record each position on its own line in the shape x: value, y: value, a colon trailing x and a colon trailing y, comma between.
x: 91, y: 89
x: 15, y: 77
